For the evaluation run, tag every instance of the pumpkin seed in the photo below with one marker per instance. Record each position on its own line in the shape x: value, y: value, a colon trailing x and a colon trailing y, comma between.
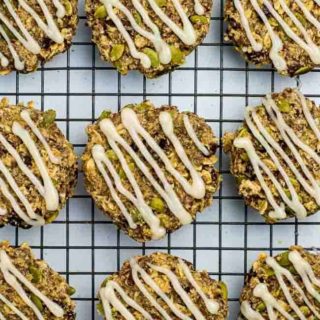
x: 100, y: 309
x: 37, y: 302
x: 157, y: 204
x: 305, y: 310
x: 117, y: 52
x: 261, y: 307
x: 53, y: 216
x: 224, y: 290
x: 36, y: 274
x: 71, y: 291
x: 111, y: 155
x: 105, y: 114
x: 303, y: 70
x: 284, y: 105
x: 48, y: 118
x: 137, y: 18
x: 283, y: 259
x: 161, y: 3
x: 153, y: 56
x: 177, y: 56
x: 301, y: 18
x: 199, y: 19
x: 101, y: 12
x: 68, y: 7
x: 243, y: 132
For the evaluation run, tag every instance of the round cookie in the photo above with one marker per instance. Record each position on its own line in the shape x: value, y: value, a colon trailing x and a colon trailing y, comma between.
x: 32, y: 32
x: 161, y: 286
x: 275, y: 156
x: 282, y: 33
x: 146, y: 172
x: 282, y: 287
x: 38, y: 166
x: 30, y: 289
x: 152, y: 36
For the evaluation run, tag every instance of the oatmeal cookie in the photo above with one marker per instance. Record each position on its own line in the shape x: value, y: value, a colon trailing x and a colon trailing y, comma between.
x: 152, y: 36
x: 30, y: 289
x: 282, y: 287
x: 275, y: 156
x: 278, y: 32
x: 33, y: 31
x: 174, y: 290
x: 150, y: 169
x: 38, y: 166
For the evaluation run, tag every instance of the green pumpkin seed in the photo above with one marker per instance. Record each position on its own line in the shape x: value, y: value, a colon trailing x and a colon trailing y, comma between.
x: 268, y: 272
x: 141, y: 107
x: 68, y: 7
x: 303, y: 70
x: 199, y: 19
x: 137, y: 18
x: 261, y: 307
x: 111, y: 155
x: 122, y: 174
x: 153, y: 56
x: 136, y: 216
x: 284, y: 105
x: 243, y: 132
x: 71, y: 291
x: 48, y: 118
x: 117, y: 52
x: 161, y: 3
x: 301, y: 18
x: 105, y: 114
x: 37, y: 302
x: 305, y: 310
x: 177, y: 56
x: 244, y: 156
x: 100, y: 309
x: 283, y: 259
x: 53, y: 216
x: 36, y: 274
x: 101, y: 12
x: 157, y: 204
x: 224, y: 290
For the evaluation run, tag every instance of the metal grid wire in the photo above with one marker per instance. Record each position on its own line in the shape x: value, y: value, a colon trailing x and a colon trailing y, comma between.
x: 216, y: 84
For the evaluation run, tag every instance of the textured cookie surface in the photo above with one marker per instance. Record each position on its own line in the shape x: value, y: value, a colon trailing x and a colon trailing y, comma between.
x: 30, y: 289
x: 161, y: 286
x: 283, y: 33
x: 151, y: 36
x: 283, y: 287
x: 275, y: 156
x: 145, y: 171
x: 33, y: 31
x: 38, y: 166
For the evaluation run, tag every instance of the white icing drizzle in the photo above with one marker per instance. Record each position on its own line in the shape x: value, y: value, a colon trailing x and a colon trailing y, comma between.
x: 47, y: 189
x: 132, y: 124
x: 12, y: 307
x: 307, y: 44
x: 14, y: 278
x: 21, y: 33
x: 139, y: 275
x: 308, y: 278
x: 186, y: 34
x: 274, y: 150
x: 193, y: 136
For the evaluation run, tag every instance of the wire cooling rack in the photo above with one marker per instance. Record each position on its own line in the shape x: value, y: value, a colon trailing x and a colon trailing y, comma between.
x: 216, y: 84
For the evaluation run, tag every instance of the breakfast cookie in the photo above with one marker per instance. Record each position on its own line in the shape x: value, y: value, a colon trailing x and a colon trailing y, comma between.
x: 151, y: 170
x: 33, y: 31
x: 152, y: 36
x: 275, y: 156
x: 283, y: 287
x: 283, y: 33
x: 161, y: 286
x: 30, y: 289
x: 38, y: 166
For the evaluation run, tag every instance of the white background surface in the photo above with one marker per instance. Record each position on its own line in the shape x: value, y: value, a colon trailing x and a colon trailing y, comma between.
x: 82, y: 244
